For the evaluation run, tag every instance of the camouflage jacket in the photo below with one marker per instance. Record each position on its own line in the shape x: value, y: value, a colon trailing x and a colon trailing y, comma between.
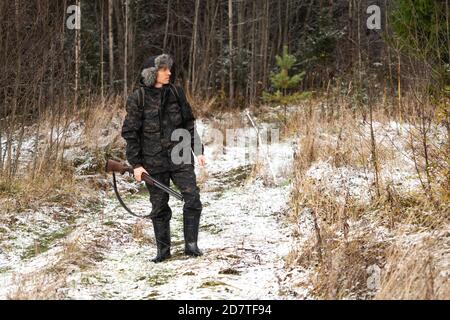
x: 148, y: 130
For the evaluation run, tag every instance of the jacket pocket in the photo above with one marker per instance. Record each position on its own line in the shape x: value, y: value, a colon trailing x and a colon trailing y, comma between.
x: 151, y: 120
x: 174, y: 112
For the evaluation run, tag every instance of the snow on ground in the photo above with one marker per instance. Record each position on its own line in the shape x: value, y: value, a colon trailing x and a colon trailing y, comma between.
x: 243, y: 235
x: 398, y: 172
x: 242, y: 148
x: 358, y: 183
x: 72, y: 134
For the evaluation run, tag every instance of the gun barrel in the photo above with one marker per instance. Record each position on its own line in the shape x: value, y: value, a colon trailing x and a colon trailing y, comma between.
x: 163, y: 187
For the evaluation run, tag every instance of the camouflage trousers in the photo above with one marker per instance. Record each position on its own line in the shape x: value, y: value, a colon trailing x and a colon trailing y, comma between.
x: 184, y: 178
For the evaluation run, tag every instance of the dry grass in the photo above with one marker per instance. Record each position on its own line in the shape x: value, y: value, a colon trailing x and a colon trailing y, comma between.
x: 54, y: 181
x: 343, y: 274
x: 205, y: 107
x: 412, y: 208
x: 103, y: 125
x: 339, y: 140
x: 202, y: 177
x: 138, y: 232
x: 78, y: 253
x: 342, y: 246
x: 42, y: 286
x: 415, y: 272
x: 339, y: 257
x: 58, y: 188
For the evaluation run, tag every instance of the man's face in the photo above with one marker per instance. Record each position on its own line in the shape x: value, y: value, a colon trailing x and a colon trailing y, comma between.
x: 163, y: 75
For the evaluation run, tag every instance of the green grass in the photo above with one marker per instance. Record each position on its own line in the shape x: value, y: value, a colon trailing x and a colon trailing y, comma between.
x: 44, y: 242
x: 4, y: 269
x: 211, y: 228
x: 212, y: 283
x: 109, y: 223
x: 10, y: 188
x: 159, y: 278
x: 230, y: 271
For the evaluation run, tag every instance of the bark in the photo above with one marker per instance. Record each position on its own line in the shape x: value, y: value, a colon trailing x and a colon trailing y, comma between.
x: 166, y: 30
x: 125, y: 58
x: 111, y: 39
x: 230, y: 45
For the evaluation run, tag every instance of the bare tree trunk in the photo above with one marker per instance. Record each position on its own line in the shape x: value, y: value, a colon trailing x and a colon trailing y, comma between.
x: 110, y: 38
x: 265, y: 41
x: 167, y: 26
x: 204, y: 55
x: 230, y: 44
x: 1, y: 143
x: 240, y: 24
x: 252, y: 63
x: 119, y: 14
x: 286, y: 24
x: 193, y: 50
x: 77, y: 62
x: 209, y: 40
x: 359, y: 44
x: 437, y: 23
x: 399, y: 84
x: 213, y: 39
x: 447, y: 19
x: 12, y: 120
x: 125, y: 58
x: 179, y: 41
x: 36, y: 139
x: 132, y: 31
x: 425, y: 126
x: 102, y: 90
x: 280, y: 27
x: 388, y: 49
x: 221, y: 48
x: 373, y: 150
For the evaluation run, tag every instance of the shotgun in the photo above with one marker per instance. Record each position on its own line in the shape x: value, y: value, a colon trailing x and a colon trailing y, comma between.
x: 115, y: 166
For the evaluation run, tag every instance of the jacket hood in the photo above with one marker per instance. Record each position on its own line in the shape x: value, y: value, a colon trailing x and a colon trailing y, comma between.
x: 152, y: 65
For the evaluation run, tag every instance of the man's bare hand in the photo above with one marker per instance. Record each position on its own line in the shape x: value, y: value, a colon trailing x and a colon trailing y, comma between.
x: 201, y: 160
x: 138, y: 173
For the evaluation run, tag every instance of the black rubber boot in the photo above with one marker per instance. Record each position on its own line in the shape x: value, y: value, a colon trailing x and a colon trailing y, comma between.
x: 162, y: 235
x: 191, y: 225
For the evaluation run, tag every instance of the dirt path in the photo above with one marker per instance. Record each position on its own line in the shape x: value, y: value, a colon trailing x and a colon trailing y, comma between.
x: 242, y: 235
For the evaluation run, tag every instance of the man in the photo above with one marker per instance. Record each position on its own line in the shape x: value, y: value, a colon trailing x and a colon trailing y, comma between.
x: 148, y: 129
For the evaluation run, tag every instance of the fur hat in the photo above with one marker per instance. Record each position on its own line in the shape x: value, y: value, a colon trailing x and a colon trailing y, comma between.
x: 152, y: 65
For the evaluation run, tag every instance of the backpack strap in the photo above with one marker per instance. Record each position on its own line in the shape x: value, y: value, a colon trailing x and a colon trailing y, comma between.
x: 174, y: 91
x: 141, y: 97
x: 186, y: 112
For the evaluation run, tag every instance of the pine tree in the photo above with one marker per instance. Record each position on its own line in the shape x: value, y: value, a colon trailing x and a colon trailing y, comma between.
x: 282, y: 82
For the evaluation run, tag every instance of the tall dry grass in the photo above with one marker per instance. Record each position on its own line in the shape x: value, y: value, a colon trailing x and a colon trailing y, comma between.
x: 49, y: 175
x: 413, y: 272
x: 348, y: 238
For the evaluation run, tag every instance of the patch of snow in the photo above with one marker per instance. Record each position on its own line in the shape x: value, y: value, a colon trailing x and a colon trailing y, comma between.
x: 341, y: 181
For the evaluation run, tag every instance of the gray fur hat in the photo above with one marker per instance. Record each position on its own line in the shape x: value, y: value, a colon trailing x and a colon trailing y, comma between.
x: 152, y: 65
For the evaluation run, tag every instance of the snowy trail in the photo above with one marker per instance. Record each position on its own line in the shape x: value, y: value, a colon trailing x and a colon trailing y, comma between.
x: 243, y: 239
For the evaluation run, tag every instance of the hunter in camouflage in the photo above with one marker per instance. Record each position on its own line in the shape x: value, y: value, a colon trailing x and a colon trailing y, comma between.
x: 154, y: 112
